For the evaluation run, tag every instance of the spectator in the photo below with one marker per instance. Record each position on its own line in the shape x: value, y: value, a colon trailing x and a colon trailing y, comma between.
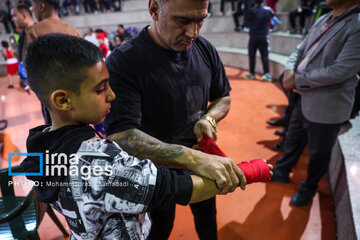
x: 45, y: 11
x: 323, y: 74
x: 248, y: 4
x: 122, y: 34
x: 90, y: 6
x: 5, y: 15
x: 22, y: 17
x: 259, y: 17
x: 117, y: 41
x: 104, y: 48
x: 12, y: 64
x: 91, y: 37
x: 272, y: 5
x: 304, y: 10
x: 65, y: 5
x: 237, y: 14
x: 222, y: 3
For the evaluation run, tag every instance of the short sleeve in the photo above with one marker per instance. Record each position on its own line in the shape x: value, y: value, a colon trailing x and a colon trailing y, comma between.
x: 220, y: 86
x: 125, y: 110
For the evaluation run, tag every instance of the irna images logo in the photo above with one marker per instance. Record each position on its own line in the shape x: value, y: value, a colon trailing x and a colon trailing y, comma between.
x: 15, y: 153
x: 61, y: 164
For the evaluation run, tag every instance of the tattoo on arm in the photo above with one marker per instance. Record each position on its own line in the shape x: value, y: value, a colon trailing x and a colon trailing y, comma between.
x: 141, y: 145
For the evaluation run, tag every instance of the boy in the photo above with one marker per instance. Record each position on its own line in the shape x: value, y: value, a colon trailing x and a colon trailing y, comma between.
x: 102, y: 191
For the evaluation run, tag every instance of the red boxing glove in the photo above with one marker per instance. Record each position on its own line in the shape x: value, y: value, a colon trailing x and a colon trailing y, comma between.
x: 256, y: 170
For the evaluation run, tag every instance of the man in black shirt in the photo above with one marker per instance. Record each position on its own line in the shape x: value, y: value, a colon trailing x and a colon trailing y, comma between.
x: 164, y: 79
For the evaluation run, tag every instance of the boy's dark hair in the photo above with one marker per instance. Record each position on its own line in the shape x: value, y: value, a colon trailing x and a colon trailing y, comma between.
x: 59, y: 61
x: 4, y: 44
x: 259, y: 1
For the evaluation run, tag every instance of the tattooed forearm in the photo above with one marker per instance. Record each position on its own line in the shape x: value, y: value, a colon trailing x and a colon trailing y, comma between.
x: 141, y: 145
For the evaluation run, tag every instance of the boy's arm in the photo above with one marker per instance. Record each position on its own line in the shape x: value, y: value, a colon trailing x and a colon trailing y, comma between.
x: 219, y: 169
x: 203, y: 188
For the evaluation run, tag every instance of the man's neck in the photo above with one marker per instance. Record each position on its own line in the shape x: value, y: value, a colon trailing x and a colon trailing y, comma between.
x: 154, y: 35
x: 29, y: 23
x: 50, y: 14
x: 343, y: 6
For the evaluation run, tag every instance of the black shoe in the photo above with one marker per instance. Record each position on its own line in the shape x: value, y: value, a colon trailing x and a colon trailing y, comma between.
x: 280, y: 122
x: 302, y: 197
x: 279, y: 176
x: 279, y: 147
x: 10, y: 86
x: 280, y: 132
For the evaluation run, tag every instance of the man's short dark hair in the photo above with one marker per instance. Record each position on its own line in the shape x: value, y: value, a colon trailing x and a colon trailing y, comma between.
x: 59, y: 61
x: 23, y: 8
x: 162, y: 3
x: 54, y: 3
x: 259, y: 1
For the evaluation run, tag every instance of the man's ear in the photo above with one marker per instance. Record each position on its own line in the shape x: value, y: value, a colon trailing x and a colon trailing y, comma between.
x: 60, y: 100
x: 154, y: 9
x: 42, y: 7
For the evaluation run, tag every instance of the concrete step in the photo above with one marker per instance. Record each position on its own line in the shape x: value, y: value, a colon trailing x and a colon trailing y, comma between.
x: 238, y: 58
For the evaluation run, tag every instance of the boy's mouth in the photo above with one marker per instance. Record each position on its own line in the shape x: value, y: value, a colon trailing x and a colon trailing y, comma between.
x: 108, y: 110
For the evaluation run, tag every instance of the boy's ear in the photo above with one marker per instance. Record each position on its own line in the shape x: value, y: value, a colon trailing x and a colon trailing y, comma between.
x: 154, y: 9
x: 60, y: 100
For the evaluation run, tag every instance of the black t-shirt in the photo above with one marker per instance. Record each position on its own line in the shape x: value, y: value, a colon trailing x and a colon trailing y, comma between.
x: 163, y: 92
x: 259, y: 21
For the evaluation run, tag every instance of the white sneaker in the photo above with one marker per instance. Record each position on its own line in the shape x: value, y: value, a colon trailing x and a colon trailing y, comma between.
x: 267, y: 77
x: 250, y: 76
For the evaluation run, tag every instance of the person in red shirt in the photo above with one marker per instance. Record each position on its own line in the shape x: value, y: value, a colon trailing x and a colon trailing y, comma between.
x: 103, y: 47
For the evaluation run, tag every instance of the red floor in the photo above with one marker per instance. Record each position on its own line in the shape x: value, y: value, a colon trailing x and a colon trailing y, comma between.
x: 262, y: 211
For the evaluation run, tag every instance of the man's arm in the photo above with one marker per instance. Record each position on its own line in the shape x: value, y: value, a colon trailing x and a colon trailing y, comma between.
x: 217, y: 110
x: 219, y: 169
x: 291, y: 64
x: 345, y: 66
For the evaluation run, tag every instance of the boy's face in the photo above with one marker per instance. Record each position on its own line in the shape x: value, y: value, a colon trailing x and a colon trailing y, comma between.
x: 93, y: 103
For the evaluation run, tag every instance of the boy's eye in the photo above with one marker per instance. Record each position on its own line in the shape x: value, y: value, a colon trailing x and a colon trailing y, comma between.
x: 101, y: 90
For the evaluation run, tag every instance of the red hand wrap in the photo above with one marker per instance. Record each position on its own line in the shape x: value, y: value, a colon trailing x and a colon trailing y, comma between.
x: 256, y: 170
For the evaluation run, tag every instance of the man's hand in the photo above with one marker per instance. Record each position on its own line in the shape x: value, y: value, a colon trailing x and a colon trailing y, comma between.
x: 289, y: 80
x: 222, y: 170
x: 204, y: 127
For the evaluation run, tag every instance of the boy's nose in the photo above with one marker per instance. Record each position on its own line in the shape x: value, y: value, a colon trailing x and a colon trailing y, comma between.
x: 111, y: 95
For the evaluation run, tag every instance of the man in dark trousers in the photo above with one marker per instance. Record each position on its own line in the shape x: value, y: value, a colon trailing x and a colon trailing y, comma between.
x: 302, y: 12
x: 322, y: 71
x: 164, y: 79
x: 259, y: 17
